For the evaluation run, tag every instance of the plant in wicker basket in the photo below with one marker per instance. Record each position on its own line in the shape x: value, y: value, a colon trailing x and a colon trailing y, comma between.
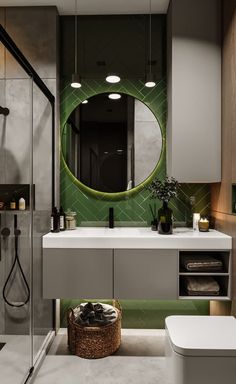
x: 164, y: 190
x: 93, y: 342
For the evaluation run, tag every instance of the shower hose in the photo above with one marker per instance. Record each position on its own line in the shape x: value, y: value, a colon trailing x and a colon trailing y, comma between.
x: 16, y: 263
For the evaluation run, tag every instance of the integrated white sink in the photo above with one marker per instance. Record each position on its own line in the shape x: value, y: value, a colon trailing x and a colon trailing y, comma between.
x: 105, y: 231
x: 136, y: 237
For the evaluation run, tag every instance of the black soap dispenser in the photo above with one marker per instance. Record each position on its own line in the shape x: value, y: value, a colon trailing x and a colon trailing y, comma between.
x: 55, y: 220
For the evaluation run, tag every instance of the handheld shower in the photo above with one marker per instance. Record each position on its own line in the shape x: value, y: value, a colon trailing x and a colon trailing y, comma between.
x: 16, y: 263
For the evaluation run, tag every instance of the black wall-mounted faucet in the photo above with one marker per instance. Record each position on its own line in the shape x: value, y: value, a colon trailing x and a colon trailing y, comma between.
x: 4, y: 111
x: 111, y: 217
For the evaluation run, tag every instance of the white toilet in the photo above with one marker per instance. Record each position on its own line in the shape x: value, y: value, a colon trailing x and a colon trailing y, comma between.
x: 201, y: 349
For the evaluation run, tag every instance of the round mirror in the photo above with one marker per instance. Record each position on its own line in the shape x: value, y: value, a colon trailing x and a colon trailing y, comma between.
x: 111, y: 142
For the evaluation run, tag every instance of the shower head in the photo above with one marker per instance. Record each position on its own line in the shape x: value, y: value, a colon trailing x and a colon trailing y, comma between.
x: 4, y: 111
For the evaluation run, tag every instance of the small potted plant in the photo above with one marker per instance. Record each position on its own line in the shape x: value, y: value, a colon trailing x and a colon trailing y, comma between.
x: 164, y: 190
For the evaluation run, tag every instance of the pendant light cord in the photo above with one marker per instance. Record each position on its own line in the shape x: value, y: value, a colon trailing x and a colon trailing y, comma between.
x: 150, y: 35
x: 76, y: 38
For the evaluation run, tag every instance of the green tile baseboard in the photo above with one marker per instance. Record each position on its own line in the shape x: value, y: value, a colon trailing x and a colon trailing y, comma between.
x: 146, y: 314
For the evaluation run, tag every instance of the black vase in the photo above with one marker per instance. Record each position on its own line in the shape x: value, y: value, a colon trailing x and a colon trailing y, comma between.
x: 165, y: 223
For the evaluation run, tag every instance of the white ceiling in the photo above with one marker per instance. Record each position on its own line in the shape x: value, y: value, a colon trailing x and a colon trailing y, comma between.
x: 95, y: 7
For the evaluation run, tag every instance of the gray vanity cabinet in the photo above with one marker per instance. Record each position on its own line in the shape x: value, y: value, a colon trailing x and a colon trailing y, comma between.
x: 77, y: 273
x: 145, y: 274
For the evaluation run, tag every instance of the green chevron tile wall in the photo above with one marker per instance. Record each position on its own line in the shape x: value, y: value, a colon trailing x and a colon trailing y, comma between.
x: 132, y: 209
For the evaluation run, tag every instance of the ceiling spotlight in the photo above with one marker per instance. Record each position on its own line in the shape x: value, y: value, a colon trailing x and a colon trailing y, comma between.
x: 113, y: 79
x: 85, y: 102
x: 114, y: 96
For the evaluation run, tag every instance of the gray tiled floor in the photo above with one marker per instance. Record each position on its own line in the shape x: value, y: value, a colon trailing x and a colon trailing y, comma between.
x: 140, y: 360
x: 15, y: 357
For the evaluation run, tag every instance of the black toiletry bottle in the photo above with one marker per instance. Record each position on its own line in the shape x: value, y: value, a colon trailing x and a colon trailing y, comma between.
x: 62, y: 220
x: 55, y: 220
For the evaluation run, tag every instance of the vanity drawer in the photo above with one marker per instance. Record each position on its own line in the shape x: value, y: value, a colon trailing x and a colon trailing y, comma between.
x: 77, y: 273
x: 145, y: 274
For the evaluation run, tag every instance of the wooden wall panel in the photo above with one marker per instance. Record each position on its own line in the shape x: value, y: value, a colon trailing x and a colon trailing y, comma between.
x: 223, y: 201
x: 227, y: 224
x: 221, y: 193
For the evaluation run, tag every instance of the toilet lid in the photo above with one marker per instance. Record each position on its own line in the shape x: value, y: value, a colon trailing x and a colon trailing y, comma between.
x: 202, y: 335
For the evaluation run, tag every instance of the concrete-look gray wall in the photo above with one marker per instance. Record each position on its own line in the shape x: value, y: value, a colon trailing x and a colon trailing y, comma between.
x: 147, y: 142
x: 35, y: 32
x: 194, y: 91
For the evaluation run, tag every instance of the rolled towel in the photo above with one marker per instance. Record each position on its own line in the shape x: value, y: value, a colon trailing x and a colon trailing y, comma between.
x: 95, y: 314
x: 202, y: 263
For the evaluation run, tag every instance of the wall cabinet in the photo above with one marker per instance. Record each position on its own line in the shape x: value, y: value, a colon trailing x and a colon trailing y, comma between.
x: 194, y: 91
x: 145, y: 274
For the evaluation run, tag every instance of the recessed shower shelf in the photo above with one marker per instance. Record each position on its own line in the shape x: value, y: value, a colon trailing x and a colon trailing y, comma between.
x: 8, y: 192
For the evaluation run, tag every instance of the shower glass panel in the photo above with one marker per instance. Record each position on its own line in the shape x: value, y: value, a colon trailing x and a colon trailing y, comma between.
x: 42, y: 183
x: 26, y: 319
x: 15, y: 226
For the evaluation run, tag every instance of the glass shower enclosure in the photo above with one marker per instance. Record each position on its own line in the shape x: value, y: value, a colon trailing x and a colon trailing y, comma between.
x: 26, y: 198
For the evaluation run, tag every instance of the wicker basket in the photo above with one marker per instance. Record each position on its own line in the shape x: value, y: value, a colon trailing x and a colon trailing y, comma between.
x: 94, y: 342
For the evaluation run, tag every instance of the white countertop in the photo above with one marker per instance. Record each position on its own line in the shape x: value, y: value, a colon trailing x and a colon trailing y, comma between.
x: 136, y: 237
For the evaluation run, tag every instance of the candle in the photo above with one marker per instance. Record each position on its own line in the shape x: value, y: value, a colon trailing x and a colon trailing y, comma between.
x: 196, y: 218
x: 203, y: 225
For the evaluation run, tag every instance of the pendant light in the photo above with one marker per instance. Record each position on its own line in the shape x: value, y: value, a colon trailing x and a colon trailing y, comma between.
x: 149, y: 80
x: 75, y: 81
x: 113, y: 78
